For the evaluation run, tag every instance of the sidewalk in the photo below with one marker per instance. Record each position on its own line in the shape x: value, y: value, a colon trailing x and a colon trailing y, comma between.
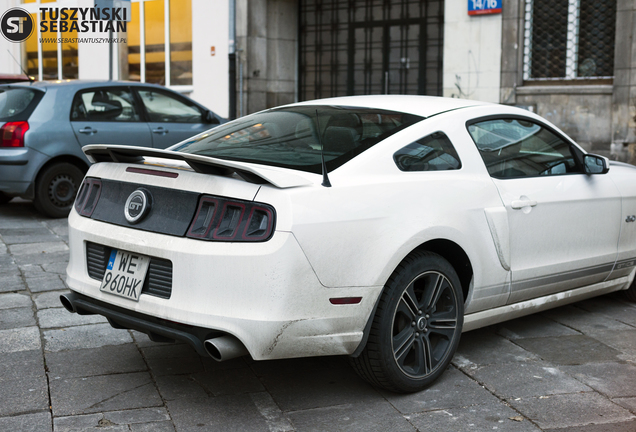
x: 568, y: 369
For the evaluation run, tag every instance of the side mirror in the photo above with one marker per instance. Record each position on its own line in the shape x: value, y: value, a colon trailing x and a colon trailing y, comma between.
x: 209, y: 117
x: 594, y: 164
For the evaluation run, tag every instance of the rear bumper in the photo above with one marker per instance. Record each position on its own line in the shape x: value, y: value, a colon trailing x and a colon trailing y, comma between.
x: 264, y: 294
x: 157, y: 329
x: 18, y: 169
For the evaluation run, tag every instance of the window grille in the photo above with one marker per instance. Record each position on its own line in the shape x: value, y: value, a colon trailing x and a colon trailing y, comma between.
x: 569, y: 39
x: 370, y: 47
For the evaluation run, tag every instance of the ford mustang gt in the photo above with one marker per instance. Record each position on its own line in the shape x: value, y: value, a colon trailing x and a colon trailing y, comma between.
x: 379, y: 227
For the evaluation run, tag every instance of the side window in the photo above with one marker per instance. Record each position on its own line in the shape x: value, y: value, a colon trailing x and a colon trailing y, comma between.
x: 514, y: 148
x: 104, y: 104
x: 434, y: 152
x: 164, y: 108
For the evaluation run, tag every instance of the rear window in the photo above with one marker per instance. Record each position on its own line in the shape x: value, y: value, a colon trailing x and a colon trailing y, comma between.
x: 291, y: 137
x: 16, y: 104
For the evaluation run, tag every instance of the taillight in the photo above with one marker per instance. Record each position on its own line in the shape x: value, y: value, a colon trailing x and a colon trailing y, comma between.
x: 12, y: 134
x: 88, y: 196
x: 221, y: 219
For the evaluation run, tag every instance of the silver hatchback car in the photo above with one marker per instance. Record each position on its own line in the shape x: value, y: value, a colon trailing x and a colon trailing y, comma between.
x: 44, y: 125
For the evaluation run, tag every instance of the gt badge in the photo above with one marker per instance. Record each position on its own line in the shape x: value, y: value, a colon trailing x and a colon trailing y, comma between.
x: 137, y: 206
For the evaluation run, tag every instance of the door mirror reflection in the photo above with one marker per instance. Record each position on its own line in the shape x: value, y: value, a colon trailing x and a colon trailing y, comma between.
x: 595, y: 164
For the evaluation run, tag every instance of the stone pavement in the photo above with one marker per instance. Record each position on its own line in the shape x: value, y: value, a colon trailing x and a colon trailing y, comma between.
x: 568, y: 369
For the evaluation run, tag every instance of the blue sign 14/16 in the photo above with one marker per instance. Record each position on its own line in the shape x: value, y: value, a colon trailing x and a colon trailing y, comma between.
x: 484, y: 7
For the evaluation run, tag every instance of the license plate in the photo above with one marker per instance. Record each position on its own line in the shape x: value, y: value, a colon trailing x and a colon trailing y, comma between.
x: 125, y: 274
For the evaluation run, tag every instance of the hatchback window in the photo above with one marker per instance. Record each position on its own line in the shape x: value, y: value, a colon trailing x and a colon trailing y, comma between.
x: 293, y: 137
x: 161, y: 107
x: 104, y: 104
x: 514, y: 148
x: 434, y: 152
x: 16, y: 102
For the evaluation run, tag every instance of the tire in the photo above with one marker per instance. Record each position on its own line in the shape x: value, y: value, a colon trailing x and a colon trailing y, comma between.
x: 4, y: 198
x: 409, y: 347
x: 55, y: 189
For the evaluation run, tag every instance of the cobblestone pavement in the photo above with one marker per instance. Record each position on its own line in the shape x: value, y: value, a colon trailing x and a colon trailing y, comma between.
x: 568, y: 369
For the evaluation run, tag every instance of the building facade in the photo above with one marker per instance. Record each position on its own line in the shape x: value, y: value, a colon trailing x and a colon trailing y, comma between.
x: 571, y: 61
x: 181, y: 44
x: 575, y: 63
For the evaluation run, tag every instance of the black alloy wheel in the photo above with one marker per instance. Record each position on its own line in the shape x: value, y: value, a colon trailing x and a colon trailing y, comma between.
x: 56, y: 188
x: 417, y: 325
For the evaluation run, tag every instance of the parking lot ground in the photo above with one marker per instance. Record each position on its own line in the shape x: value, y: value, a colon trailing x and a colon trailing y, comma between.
x: 567, y: 369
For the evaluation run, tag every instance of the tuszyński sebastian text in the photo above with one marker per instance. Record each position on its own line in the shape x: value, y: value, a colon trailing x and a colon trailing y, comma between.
x: 83, y: 20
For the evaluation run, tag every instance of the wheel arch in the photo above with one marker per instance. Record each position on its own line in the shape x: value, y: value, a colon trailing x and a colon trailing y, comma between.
x: 447, y: 249
x: 34, y: 189
x: 456, y: 256
x: 74, y: 160
x: 78, y: 162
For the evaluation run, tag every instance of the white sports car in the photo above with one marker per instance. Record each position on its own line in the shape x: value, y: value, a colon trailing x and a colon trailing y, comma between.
x: 379, y: 227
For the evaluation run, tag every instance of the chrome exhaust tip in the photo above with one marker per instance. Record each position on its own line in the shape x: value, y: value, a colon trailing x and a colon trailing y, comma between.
x: 225, y: 348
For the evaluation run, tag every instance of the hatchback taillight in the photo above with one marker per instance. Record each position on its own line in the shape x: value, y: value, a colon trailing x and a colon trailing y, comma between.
x: 12, y: 134
x: 88, y: 196
x: 222, y: 219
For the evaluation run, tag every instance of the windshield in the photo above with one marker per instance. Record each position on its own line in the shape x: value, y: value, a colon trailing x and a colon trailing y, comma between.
x: 14, y: 102
x: 291, y: 137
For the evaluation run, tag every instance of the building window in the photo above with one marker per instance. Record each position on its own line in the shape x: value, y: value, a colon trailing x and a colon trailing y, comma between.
x: 159, y: 42
x: 32, y: 58
x: 51, y: 60
x: 370, y: 47
x: 150, y: 57
x: 70, y: 59
x: 569, y: 39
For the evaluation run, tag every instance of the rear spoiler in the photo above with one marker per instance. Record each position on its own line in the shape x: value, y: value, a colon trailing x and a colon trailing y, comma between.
x: 202, y: 164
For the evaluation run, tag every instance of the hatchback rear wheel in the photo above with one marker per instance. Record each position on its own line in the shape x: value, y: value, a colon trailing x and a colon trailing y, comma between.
x: 417, y: 325
x: 56, y: 188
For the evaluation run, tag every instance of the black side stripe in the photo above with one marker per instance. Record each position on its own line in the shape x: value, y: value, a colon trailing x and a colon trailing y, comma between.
x: 574, y: 274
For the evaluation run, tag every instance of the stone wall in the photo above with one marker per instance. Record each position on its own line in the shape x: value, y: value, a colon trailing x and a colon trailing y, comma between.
x: 266, y: 37
x: 599, y: 117
x: 582, y: 112
x: 624, y: 97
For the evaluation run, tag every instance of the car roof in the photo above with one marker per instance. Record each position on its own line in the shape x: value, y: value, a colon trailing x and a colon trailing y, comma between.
x: 425, y: 106
x: 82, y: 84
x: 13, y: 78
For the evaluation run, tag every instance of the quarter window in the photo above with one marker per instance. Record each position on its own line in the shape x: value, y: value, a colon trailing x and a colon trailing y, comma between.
x: 514, y: 148
x: 432, y: 153
x: 112, y: 105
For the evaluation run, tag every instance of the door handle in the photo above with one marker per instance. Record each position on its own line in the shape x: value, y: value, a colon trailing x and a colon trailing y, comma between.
x: 160, y: 131
x: 519, y: 204
x: 88, y: 131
